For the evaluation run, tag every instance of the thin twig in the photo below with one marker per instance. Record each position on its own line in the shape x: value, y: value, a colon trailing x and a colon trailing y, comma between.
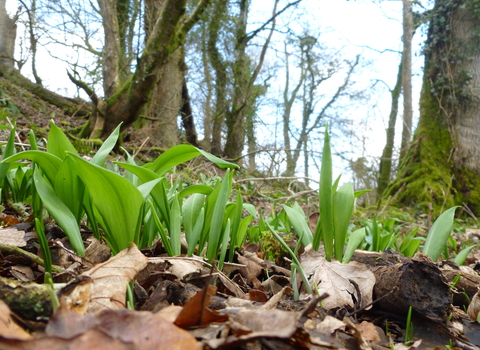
x: 275, y: 178
x: 16, y: 134
x: 141, y: 146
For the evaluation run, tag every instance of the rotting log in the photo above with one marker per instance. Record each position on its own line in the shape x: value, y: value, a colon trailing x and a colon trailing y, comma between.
x: 403, y: 282
x: 28, y: 300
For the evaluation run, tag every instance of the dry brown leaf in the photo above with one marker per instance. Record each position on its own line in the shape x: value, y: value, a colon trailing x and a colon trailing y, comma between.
x: 335, y: 279
x: 109, y: 280
x: 22, y: 273
x: 474, y: 307
x: 107, y: 330
x: 196, y: 311
x: 180, y: 266
x: 12, y: 236
x: 369, y: 332
x: 330, y: 325
x: 8, y: 328
x: 170, y: 313
x: 253, y: 323
x: 270, y: 304
x: 251, y: 270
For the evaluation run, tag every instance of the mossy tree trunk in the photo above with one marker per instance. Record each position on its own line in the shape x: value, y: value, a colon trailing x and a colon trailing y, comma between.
x: 166, y: 33
x: 442, y: 165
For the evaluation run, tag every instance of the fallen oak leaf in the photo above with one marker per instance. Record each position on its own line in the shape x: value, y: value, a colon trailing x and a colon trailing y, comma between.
x: 109, y: 280
x: 107, y: 330
x: 196, y: 311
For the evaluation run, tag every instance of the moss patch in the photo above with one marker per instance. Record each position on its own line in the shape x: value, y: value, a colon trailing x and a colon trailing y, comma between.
x: 425, y: 174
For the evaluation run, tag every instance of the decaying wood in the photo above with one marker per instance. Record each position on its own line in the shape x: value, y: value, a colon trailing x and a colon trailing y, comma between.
x: 403, y: 282
x: 28, y: 300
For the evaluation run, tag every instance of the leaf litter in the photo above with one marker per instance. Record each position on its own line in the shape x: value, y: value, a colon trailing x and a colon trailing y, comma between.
x: 186, y: 303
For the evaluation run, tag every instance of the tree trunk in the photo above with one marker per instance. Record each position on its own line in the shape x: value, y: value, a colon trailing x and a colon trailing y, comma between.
x: 407, y: 76
x: 187, y: 116
x: 387, y: 154
x: 164, y: 107
x: 111, y: 50
x: 220, y: 68
x: 8, y: 33
x: 235, y: 117
x: 446, y: 145
x: 168, y: 33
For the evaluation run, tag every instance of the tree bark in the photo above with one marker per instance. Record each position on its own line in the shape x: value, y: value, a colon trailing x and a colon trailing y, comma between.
x: 407, y: 76
x: 165, y: 104
x: 187, y: 116
x: 8, y: 33
x: 387, y: 154
x: 446, y: 144
x: 167, y: 35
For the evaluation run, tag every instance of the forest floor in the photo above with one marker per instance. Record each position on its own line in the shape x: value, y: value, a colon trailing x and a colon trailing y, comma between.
x: 186, y: 303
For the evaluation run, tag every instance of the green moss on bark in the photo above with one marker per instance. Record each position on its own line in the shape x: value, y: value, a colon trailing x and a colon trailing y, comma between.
x: 425, y: 175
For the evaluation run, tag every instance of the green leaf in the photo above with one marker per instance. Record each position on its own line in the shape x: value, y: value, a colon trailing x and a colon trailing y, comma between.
x: 32, y: 140
x: 324, y: 228
x: 438, y: 235
x: 161, y: 230
x: 118, y: 201
x: 191, y: 209
x: 194, y: 189
x: 356, y: 238
x: 215, y: 231
x: 299, y: 224
x: 462, y: 256
x: 180, y: 154
x: 359, y: 193
x: 59, y: 211
x: 174, y: 230
x: 58, y: 144
x: 343, y: 201
x: 46, y: 161
x: 101, y: 156
x: 7, y: 152
x: 69, y: 188
x: 196, y: 232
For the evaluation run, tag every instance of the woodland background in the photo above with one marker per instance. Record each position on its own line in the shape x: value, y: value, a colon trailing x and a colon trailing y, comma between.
x: 257, y: 85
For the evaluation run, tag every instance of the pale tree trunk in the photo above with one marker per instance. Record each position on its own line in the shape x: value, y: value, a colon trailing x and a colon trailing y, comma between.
x: 441, y: 167
x: 165, y: 104
x: 8, y: 33
x: 407, y: 76
x: 111, y: 50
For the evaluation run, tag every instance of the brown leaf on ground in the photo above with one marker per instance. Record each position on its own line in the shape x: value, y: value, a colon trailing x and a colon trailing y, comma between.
x: 109, y: 279
x: 196, y: 311
x: 338, y: 280
x: 254, y: 323
x: 12, y: 236
x: 8, y: 328
x: 8, y: 220
x: 108, y: 329
x: 251, y: 270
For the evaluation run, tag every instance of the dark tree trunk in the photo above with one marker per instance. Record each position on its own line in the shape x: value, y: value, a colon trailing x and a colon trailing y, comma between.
x: 187, y: 116
x: 387, y: 154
